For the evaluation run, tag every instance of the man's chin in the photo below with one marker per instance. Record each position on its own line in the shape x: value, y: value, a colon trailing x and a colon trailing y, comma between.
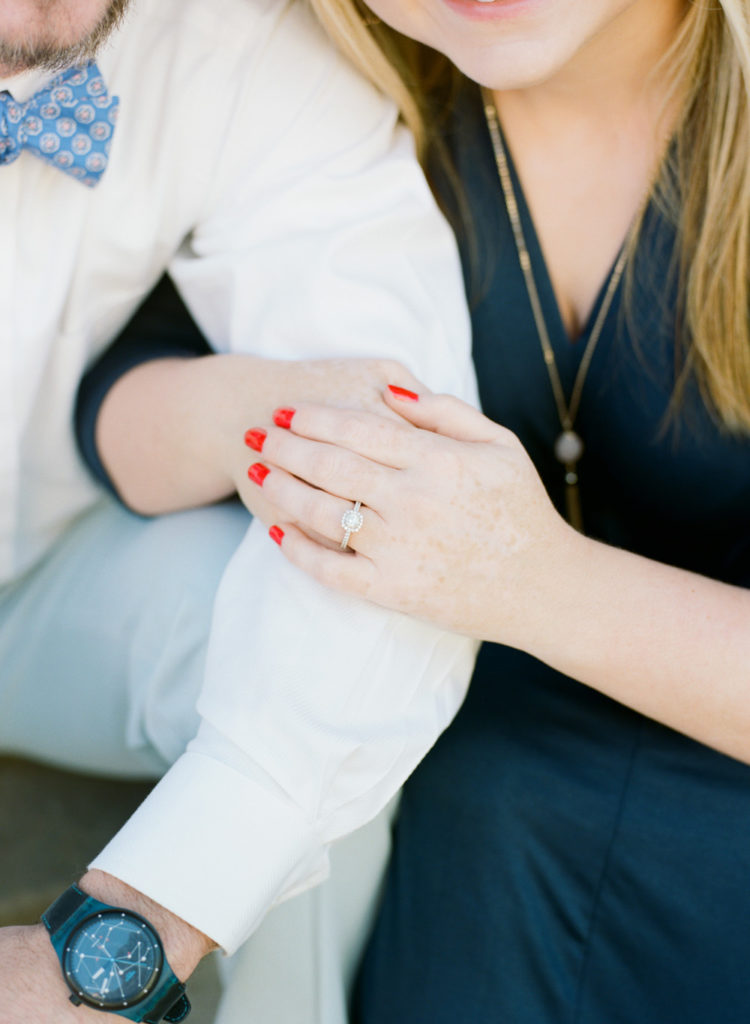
x: 50, y: 54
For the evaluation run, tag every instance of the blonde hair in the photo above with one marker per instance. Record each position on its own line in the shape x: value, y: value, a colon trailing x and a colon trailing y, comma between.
x: 706, y: 189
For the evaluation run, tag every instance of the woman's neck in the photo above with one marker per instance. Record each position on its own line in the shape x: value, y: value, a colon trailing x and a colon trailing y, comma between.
x: 586, y: 143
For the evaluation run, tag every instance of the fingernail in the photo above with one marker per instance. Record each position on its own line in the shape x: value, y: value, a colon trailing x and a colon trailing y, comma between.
x: 258, y: 473
x: 255, y: 439
x: 283, y: 417
x: 411, y: 396
x: 277, y: 534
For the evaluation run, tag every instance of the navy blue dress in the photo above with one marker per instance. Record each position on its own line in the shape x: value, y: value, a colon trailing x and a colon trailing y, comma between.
x: 560, y: 859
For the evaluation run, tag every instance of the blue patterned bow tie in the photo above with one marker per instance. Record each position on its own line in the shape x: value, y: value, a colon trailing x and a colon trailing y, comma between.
x: 69, y: 124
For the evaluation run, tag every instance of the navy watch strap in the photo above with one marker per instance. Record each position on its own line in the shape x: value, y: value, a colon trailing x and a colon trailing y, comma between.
x: 64, y: 906
x: 174, y: 1007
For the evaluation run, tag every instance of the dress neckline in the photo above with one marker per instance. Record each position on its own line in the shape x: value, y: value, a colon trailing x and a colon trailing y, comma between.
x: 561, y: 341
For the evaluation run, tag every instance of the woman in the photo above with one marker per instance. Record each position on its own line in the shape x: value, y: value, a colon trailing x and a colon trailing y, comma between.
x: 567, y: 852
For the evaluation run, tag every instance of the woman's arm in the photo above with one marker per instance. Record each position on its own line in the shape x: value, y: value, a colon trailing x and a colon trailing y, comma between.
x: 459, y: 531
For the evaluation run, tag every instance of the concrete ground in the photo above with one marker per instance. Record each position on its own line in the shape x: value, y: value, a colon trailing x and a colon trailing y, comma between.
x: 51, y: 824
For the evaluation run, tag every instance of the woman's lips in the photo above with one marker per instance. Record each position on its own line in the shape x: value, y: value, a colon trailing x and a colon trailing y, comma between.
x: 492, y: 10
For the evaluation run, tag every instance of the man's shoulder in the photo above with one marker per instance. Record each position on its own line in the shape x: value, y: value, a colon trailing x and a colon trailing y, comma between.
x: 217, y: 17
x: 225, y: 47
x: 233, y: 26
x: 217, y: 86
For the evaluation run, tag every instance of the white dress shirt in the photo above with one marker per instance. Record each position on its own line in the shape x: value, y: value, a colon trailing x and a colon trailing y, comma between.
x: 253, y: 162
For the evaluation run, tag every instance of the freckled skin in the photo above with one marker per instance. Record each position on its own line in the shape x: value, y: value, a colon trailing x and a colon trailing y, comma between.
x: 462, y: 534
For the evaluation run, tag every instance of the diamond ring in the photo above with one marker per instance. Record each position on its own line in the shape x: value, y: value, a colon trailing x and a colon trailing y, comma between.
x: 351, y: 522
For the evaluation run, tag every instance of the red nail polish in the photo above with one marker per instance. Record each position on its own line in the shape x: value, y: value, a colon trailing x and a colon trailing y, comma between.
x: 255, y: 439
x: 283, y: 417
x: 258, y: 473
x: 412, y: 396
x: 277, y: 534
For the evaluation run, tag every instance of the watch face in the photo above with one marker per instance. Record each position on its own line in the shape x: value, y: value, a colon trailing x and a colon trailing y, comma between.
x: 112, y: 960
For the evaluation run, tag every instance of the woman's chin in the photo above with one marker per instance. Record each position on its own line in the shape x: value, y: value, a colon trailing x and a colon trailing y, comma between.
x: 505, y: 68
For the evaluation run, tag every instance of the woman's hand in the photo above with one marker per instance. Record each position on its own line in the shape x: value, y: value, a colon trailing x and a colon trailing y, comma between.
x: 356, y: 384
x: 457, y: 526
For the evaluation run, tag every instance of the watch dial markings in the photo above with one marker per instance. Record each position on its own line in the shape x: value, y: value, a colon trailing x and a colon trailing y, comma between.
x: 113, y: 961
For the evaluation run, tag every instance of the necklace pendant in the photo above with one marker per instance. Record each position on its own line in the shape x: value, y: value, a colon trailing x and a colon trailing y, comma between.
x: 568, y: 447
x: 573, y: 505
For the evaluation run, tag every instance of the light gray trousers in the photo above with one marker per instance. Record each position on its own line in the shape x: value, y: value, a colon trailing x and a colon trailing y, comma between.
x: 102, y: 648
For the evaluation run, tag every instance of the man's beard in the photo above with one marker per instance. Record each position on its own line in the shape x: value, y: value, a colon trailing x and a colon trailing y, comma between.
x: 51, y: 56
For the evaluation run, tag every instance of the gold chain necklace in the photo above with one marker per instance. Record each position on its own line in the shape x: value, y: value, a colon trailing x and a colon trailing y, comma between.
x: 568, y: 446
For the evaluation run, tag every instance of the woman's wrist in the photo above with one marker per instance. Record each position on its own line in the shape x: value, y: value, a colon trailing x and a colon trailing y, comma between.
x: 545, y: 594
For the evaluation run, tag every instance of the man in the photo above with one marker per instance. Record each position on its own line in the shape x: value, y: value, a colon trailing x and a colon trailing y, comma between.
x: 226, y: 142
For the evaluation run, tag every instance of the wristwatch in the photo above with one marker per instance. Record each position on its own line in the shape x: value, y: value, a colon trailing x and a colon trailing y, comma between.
x: 113, y: 960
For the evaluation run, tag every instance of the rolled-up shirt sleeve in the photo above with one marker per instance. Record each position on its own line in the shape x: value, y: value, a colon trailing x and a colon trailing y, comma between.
x: 316, y: 706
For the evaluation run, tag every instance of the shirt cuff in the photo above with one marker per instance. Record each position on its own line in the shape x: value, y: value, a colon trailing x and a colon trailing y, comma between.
x: 235, y: 874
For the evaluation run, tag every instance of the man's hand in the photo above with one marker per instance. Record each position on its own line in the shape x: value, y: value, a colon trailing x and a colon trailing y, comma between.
x: 32, y: 990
